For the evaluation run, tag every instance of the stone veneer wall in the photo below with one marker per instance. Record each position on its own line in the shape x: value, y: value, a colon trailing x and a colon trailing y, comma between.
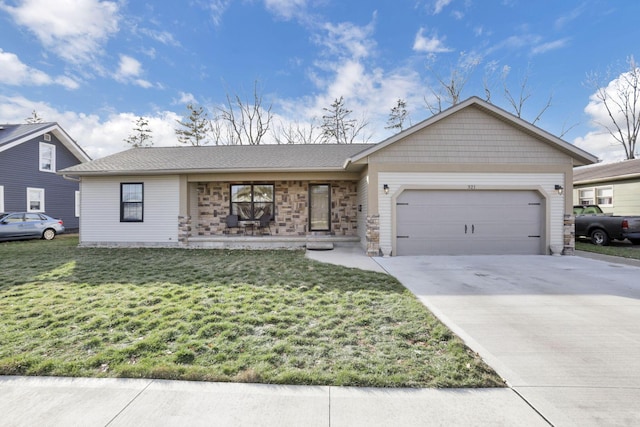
x: 569, y: 235
x: 291, y: 200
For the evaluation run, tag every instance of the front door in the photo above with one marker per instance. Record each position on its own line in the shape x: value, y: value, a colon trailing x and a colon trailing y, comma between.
x: 319, y: 207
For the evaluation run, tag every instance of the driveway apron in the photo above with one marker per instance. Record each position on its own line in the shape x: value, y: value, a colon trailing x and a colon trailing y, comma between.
x: 564, y: 332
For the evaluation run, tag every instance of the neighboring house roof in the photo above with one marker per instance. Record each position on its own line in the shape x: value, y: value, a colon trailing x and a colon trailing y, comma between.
x: 222, y: 158
x: 580, y: 156
x: 626, y: 169
x: 12, y: 135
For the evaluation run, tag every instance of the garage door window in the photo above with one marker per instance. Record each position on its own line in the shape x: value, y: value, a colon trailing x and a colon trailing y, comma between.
x: 319, y: 207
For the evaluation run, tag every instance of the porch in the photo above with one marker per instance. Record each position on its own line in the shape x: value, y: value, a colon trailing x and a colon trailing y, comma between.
x: 237, y: 241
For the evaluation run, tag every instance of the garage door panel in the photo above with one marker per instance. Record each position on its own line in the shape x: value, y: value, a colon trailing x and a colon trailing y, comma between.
x: 468, y: 222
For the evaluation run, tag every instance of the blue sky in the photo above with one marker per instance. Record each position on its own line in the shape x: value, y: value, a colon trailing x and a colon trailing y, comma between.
x: 94, y: 66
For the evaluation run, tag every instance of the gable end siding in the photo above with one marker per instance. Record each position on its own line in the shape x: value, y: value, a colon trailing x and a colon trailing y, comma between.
x: 470, y: 136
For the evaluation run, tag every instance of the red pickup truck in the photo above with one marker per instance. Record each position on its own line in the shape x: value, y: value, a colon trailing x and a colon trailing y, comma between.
x: 601, y: 228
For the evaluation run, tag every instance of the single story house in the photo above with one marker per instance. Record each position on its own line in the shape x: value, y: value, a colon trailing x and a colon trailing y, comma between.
x: 30, y: 156
x: 473, y: 179
x: 613, y: 186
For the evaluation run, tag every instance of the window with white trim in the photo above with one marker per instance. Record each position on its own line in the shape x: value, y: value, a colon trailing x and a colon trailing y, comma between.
x: 604, y: 196
x: 35, y: 199
x: 47, y: 157
x: 1, y: 198
x: 586, y: 196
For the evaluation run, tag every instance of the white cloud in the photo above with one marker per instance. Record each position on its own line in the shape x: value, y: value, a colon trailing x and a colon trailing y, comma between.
x: 429, y: 44
x: 16, y: 73
x: 546, y: 47
x: 286, y: 9
x: 74, y: 29
x: 440, y: 4
x: 129, y: 69
x: 218, y: 8
x: 163, y: 37
x: 347, y: 40
x: 97, y: 136
x: 186, y: 98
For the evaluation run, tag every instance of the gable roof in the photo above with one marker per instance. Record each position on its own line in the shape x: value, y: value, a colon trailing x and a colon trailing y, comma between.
x: 580, y: 156
x: 12, y: 135
x: 626, y: 169
x: 222, y: 158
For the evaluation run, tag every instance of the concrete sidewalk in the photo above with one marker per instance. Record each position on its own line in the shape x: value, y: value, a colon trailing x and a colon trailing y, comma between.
x: 52, y: 401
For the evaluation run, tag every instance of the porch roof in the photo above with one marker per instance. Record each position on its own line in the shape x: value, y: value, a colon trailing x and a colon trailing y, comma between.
x: 224, y: 158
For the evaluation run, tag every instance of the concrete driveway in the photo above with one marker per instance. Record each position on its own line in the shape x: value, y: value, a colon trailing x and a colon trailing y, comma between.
x: 563, y: 331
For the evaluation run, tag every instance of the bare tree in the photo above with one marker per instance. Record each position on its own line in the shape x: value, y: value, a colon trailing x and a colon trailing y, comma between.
x: 248, y: 121
x: 195, y: 128
x: 398, y: 116
x: 297, y: 133
x: 34, y: 118
x: 449, y: 88
x: 338, y: 128
x: 141, y: 135
x: 518, y: 100
x: 620, y: 98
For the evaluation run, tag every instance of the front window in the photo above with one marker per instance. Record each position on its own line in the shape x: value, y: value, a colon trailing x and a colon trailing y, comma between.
x: 35, y: 199
x: 586, y: 197
x: 252, y: 201
x: 319, y: 207
x: 131, y: 202
x: 47, y: 157
x: 605, y: 196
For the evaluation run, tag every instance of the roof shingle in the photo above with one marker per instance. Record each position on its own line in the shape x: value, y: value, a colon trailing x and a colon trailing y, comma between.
x: 607, y: 171
x: 222, y: 158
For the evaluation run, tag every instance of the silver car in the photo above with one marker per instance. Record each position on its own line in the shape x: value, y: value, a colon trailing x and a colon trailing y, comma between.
x: 29, y: 225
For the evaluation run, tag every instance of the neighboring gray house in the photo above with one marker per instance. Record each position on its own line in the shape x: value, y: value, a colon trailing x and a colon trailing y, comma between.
x: 30, y: 156
x: 473, y: 179
x: 613, y: 186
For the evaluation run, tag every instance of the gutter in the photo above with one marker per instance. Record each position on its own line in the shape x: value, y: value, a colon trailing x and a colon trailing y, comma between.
x: 71, y: 178
x: 607, y: 179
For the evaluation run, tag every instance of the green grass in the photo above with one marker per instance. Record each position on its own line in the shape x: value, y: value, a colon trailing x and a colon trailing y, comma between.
x: 620, y: 249
x: 245, y: 316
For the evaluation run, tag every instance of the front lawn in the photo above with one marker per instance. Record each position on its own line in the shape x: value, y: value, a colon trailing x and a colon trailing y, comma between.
x: 621, y: 249
x: 245, y: 316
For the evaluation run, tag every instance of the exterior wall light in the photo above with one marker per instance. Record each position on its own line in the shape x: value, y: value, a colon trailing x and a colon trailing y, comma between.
x: 560, y: 189
x: 385, y: 187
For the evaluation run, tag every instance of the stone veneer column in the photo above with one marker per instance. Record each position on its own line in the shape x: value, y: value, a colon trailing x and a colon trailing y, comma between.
x: 373, y: 235
x: 184, y: 229
x: 569, y: 235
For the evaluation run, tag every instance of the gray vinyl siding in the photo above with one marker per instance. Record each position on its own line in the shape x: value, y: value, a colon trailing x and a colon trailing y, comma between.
x: 470, y: 136
x: 100, y: 211
x: 19, y: 170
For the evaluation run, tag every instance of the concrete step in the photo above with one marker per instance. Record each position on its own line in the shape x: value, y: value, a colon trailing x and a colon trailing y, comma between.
x: 319, y: 246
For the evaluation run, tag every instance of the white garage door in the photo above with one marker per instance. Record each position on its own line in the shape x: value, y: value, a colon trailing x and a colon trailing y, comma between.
x: 433, y: 222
